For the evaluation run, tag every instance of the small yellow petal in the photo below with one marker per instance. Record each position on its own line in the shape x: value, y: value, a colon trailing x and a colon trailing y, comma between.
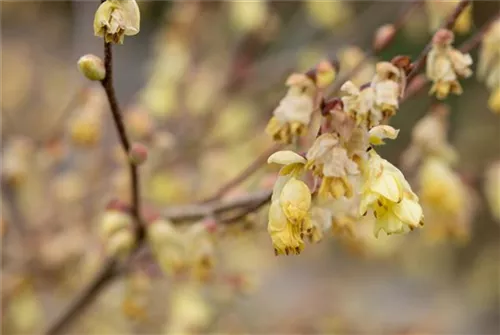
x: 286, y: 157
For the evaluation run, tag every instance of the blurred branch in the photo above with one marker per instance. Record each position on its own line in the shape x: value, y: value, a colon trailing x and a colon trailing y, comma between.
x: 398, y: 24
x: 244, y: 174
x: 450, y: 22
x: 85, y: 297
x: 476, y: 39
x: 199, y: 211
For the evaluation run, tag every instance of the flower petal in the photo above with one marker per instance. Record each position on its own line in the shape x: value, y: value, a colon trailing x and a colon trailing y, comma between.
x: 286, y: 157
x: 388, y: 186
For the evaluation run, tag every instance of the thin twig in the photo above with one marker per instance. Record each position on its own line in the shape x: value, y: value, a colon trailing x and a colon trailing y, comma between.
x: 199, y: 211
x: 107, y: 83
x: 85, y: 297
x: 476, y: 39
x: 450, y: 22
x: 398, y: 24
x: 244, y: 174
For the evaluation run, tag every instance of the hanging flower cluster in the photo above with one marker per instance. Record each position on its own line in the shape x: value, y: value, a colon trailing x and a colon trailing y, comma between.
x: 488, y: 69
x: 445, y: 65
x: 342, y: 165
x: 445, y: 198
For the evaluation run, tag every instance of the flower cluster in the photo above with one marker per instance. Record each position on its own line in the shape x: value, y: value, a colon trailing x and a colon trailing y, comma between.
x: 178, y: 251
x: 446, y: 200
x: 341, y: 166
x: 488, y: 68
x: 446, y: 64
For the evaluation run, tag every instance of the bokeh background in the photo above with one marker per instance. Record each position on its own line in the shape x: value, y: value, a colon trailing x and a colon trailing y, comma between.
x: 198, y: 85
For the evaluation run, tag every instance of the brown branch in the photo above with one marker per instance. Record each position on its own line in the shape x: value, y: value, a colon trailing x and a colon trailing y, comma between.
x: 398, y: 24
x: 450, y: 22
x: 107, y: 83
x: 476, y: 39
x: 85, y: 297
x: 244, y: 174
x: 199, y: 211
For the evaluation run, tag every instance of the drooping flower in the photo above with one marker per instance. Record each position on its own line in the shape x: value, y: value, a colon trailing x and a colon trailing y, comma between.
x: 389, y: 195
x: 488, y: 68
x: 329, y: 160
x: 429, y: 138
x: 445, y: 65
x: 293, y: 114
x: 289, y: 213
x: 445, y: 200
x: 116, y: 18
x: 387, y: 88
x: 359, y: 104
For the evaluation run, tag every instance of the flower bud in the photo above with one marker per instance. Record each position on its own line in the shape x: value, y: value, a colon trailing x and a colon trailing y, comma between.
x: 92, y: 67
x: 325, y: 73
x: 383, y: 36
x: 121, y: 243
x: 138, y: 153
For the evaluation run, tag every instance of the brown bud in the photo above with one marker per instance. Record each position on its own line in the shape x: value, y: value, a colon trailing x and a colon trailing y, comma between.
x: 443, y: 37
x: 92, y: 67
x: 138, y: 153
x: 383, y: 36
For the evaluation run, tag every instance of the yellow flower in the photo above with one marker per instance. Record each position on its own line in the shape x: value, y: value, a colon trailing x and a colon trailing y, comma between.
x: 321, y: 222
x: 116, y: 18
x: 389, y: 195
x: 168, y: 247
x: 492, y: 189
x: 293, y: 115
x: 387, y: 88
x: 286, y: 237
x: 445, y: 200
x: 248, y: 15
x: 295, y: 200
x: 494, y: 100
x: 360, y: 105
x: 379, y: 133
x: 330, y: 161
x: 445, y: 65
x: 429, y: 138
x: 328, y: 14
x: 289, y: 213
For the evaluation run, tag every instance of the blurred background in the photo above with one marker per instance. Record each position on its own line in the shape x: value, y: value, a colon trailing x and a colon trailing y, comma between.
x: 198, y: 85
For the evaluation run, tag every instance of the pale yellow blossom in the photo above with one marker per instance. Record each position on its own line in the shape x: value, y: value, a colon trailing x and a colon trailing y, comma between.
x: 247, y: 16
x: 295, y: 200
x: 116, y: 18
x: 445, y: 200
x: 359, y: 104
x: 387, y: 87
x: 492, y: 189
x: 445, y: 65
x: 488, y: 68
x: 388, y: 194
x: 381, y: 132
x: 293, y: 114
x: 286, y: 237
x: 331, y: 162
